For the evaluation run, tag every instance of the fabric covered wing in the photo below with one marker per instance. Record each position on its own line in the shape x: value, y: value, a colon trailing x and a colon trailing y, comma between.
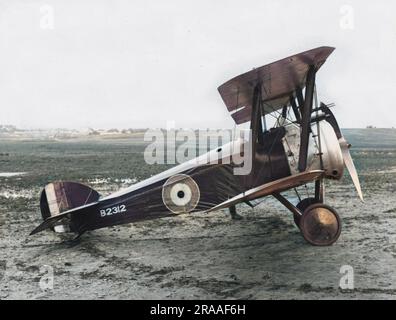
x: 279, y: 80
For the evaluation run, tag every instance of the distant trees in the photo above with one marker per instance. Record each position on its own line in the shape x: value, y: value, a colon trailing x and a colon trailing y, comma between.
x: 8, y: 128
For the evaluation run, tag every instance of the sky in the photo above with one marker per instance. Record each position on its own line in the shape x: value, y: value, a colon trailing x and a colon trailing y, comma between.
x: 138, y: 64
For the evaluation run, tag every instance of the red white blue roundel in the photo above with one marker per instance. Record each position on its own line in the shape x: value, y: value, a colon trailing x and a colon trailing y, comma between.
x: 180, y: 193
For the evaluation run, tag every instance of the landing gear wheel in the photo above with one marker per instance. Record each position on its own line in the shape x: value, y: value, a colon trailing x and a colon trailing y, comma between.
x: 320, y: 225
x: 302, y: 205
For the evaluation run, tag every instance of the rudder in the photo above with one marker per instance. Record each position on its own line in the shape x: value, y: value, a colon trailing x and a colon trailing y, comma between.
x: 60, y: 196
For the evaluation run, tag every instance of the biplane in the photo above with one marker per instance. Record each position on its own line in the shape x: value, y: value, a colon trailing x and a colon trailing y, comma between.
x: 304, y: 147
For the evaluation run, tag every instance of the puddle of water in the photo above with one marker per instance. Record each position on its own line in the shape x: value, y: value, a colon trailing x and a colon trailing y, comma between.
x: 11, y: 174
x: 98, y: 181
x: 13, y: 194
x: 390, y: 170
x: 126, y: 181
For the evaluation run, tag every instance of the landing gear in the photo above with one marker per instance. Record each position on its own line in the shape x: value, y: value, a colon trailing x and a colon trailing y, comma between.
x: 319, y: 224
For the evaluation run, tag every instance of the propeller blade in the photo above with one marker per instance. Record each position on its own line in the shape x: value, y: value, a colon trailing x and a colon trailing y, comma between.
x: 350, y: 165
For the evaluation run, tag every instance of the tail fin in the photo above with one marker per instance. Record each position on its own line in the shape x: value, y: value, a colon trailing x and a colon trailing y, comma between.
x: 59, y: 200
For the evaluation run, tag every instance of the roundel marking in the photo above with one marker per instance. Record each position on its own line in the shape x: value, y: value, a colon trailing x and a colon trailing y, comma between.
x: 180, y: 193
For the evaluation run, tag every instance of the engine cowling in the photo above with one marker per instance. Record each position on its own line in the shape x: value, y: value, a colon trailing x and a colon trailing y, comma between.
x: 332, y: 159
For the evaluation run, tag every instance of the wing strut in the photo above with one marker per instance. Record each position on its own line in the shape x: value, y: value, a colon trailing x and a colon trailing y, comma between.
x: 295, y: 109
x: 300, y: 98
x: 255, y: 123
x: 306, y: 119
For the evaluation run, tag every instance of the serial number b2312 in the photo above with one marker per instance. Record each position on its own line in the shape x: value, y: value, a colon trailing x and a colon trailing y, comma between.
x: 112, y: 210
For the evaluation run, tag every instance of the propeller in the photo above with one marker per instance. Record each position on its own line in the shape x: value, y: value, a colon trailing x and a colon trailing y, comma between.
x: 344, y: 145
x: 350, y: 165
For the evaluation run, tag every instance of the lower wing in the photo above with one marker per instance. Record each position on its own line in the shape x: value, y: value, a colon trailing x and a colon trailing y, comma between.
x: 270, y: 188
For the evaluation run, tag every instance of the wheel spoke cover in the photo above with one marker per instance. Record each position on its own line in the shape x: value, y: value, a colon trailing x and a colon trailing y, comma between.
x: 320, y: 225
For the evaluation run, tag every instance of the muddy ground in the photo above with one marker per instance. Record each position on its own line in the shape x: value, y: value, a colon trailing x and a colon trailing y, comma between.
x: 197, y: 256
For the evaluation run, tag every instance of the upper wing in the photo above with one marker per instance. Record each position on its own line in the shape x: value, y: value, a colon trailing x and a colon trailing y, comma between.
x: 271, y: 187
x: 279, y: 80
